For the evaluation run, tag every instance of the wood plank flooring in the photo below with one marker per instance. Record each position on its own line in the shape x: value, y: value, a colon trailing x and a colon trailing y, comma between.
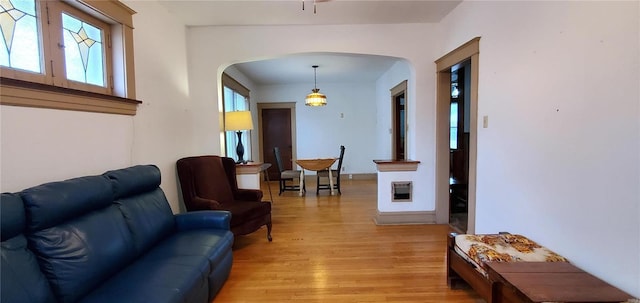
x: 328, y: 249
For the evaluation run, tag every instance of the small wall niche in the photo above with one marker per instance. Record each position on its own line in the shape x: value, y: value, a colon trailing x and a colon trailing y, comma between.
x: 401, y: 191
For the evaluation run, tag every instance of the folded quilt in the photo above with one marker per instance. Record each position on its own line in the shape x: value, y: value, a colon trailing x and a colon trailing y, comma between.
x: 479, y: 249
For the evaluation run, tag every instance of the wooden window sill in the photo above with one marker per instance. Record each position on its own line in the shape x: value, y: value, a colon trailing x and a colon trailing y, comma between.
x: 29, y: 94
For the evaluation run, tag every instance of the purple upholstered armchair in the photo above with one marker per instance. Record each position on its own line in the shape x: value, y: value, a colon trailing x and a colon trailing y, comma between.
x: 209, y: 183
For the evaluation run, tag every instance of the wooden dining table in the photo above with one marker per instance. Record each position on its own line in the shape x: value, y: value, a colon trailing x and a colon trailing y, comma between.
x: 315, y: 165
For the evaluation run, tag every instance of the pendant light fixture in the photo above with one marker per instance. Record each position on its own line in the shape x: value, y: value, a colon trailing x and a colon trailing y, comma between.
x: 315, y: 98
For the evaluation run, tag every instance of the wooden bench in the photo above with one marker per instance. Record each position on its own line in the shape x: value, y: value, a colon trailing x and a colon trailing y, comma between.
x: 531, y: 282
x: 500, y: 276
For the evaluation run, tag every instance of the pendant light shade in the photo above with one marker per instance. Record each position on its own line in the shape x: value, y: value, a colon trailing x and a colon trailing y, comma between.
x: 315, y: 98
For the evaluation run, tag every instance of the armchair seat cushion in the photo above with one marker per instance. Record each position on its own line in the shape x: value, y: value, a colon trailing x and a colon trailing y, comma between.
x: 246, y: 211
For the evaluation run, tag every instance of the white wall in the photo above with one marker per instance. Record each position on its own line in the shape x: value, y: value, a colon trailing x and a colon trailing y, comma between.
x: 167, y: 126
x: 321, y: 130
x: 399, y: 72
x: 423, y: 193
x: 43, y: 145
x: 347, y: 119
x: 560, y: 160
x: 413, y: 42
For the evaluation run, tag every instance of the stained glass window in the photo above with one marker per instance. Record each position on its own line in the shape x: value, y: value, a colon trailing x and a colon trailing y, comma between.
x: 20, y: 43
x: 67, y: 43
x: 83, y: 51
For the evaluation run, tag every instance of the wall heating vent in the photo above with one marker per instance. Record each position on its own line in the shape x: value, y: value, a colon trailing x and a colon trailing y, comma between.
x: 401, y: 191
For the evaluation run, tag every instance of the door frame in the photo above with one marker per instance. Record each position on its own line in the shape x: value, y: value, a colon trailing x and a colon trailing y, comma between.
x: 400, y: 88
x: 469, y: 50
x: 278, y: 105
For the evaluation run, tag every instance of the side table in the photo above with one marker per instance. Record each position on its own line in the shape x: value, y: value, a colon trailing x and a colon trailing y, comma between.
x: 248, y: 175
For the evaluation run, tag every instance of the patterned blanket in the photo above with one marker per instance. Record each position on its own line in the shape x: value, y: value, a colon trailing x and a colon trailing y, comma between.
x: 479, y: 249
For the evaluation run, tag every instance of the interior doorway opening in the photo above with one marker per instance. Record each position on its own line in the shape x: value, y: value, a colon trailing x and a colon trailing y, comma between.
x: 466, y: 55
x: 399, y: 120
x: 277, y: 128
x: 459, y: 129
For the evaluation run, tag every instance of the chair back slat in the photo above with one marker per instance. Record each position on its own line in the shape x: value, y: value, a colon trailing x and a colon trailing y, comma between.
x: 276, y: 153
x: 341, y: 157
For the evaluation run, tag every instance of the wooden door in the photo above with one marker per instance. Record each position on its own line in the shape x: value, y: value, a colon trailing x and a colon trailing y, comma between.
x: 398, y: 128
x: 276, y: 131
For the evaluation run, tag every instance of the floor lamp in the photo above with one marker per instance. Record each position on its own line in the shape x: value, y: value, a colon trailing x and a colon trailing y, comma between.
x: 238, y: 121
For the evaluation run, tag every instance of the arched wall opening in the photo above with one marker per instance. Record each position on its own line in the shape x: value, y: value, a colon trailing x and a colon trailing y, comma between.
x: 358, y: 114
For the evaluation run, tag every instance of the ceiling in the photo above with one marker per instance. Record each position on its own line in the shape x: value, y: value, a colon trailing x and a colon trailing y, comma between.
x: 289, y: 12
x: 332, y: 67
x: 297, y: 68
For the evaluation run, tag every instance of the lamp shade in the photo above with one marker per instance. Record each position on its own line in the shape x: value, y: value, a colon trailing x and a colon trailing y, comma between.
x: 315, y: 98
x: 238, y: 120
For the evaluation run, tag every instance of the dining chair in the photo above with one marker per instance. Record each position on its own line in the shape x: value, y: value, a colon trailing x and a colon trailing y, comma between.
x: 286, y: 175
x: 334, y: 172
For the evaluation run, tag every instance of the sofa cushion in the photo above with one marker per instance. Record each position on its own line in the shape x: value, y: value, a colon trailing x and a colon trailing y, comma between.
x: 56, y: 202
x: 134, y: 180
x: 21, y: 278
x: 209, y: 243
x: 148, y: 217
x: 150, y: 279
x: 175, y: 270
x: 80, y: 254
x: 12, y: 216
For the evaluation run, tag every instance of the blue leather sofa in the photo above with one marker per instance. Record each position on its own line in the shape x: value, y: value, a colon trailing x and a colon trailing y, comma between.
x: 110, y: 238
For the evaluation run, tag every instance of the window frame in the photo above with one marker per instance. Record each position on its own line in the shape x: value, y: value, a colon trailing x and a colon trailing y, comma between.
x: 230, y: 136
x: 56, y: 9
x: 20, y: 88
x: 19, y: 74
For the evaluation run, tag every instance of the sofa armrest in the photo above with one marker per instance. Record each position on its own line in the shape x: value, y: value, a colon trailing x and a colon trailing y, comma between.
x: 247, y: 195
x: 218, y: 219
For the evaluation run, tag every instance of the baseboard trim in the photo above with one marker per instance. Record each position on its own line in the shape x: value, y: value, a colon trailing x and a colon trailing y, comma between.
x: 405, y: 217
x: 361, y: 176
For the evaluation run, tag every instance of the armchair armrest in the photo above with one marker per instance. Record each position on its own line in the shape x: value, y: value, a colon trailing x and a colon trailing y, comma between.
x: 247, y: 195
x: 218, y: 219
x: 205, y: 204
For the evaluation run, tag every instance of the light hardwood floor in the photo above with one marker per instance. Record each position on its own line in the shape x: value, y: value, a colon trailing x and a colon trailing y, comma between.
x: 328, y: 249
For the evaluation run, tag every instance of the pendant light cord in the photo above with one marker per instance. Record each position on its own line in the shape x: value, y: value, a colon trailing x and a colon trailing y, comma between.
x: 314, y: 6
x: 315, y: 80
